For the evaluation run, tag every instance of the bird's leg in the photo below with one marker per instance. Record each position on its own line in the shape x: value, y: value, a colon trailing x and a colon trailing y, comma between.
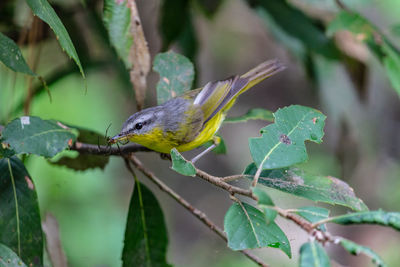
x: 216, y: 140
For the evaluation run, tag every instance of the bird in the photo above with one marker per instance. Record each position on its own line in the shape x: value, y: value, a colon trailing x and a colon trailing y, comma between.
x: 190, y: 120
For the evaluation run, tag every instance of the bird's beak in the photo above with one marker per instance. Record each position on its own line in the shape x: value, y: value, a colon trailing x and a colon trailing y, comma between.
x: 117, y: 138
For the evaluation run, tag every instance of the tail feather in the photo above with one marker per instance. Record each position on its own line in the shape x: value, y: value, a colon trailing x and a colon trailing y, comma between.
x: 221, y: 95
x: 261, y: 72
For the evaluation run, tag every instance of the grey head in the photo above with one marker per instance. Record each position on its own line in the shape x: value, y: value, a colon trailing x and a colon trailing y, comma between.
x: 140, y: 123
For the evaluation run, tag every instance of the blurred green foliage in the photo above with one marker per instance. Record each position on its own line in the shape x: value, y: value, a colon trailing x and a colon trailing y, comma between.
x: 334, y: 73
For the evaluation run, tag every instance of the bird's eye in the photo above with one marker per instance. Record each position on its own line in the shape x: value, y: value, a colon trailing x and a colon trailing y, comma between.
x: 139, y: 126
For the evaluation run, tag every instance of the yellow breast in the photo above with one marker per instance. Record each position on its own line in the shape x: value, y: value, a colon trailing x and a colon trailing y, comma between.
x: 206, y: 133
x: 163, y: 141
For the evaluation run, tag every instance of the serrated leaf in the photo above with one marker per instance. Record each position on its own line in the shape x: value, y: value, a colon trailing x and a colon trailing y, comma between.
x: 282, y: 143
x: 20, y: 227
x: 8, y: 258
x: 176, y: 75
x: 246, y: 228
x: 298, y: 25
x: 356, y: 249
x: 378, y: 44
x: 86, y: 161
x: 312, y: 254
x: 181, y: 165
x: 297, y: 182
x: 117, y: 19
x: 265, y: 203
x: 314, y: 214
x: 380, y: 217
x: 11, y: 56
x: 45, y: 12
x: 146, y: 237
x: 34, y: 135
x: 253, y: 114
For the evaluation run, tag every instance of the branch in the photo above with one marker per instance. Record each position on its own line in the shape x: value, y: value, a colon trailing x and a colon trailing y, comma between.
x: 310, y: 228
x: 108, y: 150
x: 219, y: 181
x: 197, y: 213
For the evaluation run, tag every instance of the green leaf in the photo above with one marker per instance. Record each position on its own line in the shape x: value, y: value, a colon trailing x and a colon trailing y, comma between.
x: 395, y: 29
x: 5, y: 151
x: 8, y: 258
x: 380, y: 217
x: 86, y: 161
x: 209, y: 7
x: 312, y: 254
x: 11, y: 56
x: 20, y: 227
x: 34, y: 135
x: 246, y: 228
x: 391, y: 62
x: 356, y: 249
x: 379, y: 45
x: 171, y: 25
x: 145, y: 235
x: 176, y: 75
x: 188, y: 40
x: 253, y: 114
x: 292, y: 44
x: 314, y: 214
x: 297, y: 182
x: 45, y: 12
x: 298, y: 25
x: 265, y: 203
x: 117, y: 19
x: 282, y: 143
x: 181, y: 165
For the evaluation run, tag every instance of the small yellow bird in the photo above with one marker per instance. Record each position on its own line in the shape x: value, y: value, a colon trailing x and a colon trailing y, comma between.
x: 192, y: 119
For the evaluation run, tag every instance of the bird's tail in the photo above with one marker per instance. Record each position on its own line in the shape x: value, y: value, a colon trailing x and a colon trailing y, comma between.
x: 261, y: 72
x: 221, y: 95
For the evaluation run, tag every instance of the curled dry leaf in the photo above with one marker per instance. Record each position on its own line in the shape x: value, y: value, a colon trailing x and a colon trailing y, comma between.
x: 139, y: 56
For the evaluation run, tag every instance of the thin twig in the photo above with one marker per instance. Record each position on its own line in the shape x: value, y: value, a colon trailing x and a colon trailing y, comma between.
x: 107, y: 150
x: 220, y: 183
x: 319, y: 235
x: 233, y: 177
x: 196, y: 212
x: 341, y: 5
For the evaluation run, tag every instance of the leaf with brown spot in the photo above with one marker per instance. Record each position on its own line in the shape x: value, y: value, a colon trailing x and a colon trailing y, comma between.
x: 297, y: 182
x: 176, y: 75
x: 36, y: 136
x: 282, y: 143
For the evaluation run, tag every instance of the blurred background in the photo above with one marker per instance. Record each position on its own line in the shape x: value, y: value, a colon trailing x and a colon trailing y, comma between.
x: 361, y: 142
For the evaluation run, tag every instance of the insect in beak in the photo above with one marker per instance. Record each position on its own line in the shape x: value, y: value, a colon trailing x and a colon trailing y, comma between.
x: 118, y: 138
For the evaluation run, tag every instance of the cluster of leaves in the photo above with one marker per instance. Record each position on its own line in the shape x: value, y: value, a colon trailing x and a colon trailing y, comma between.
x: 275, y: 154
